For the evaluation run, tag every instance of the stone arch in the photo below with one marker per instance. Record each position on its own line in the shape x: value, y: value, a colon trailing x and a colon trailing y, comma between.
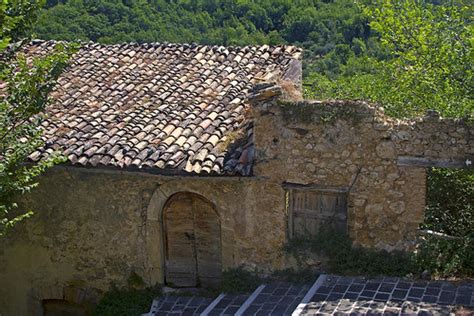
x: 155, y: 265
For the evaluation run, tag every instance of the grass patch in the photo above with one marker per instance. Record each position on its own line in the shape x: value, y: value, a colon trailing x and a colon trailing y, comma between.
x: 126, y: 302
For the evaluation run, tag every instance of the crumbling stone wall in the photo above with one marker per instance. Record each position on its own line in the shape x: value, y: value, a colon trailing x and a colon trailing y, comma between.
x: 352, y: 146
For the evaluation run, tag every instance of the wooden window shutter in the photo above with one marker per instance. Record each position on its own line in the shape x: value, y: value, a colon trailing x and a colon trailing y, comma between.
x: 309, y: 210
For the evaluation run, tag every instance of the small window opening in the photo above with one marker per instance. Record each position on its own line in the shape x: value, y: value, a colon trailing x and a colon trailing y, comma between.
x: 449, y: 209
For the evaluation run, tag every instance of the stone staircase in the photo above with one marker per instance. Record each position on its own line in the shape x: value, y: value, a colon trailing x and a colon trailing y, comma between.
x: 329, y: 295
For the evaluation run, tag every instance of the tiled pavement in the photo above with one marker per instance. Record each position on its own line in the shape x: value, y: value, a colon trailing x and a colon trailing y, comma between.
x: 332, y: 295
x: 387, y: 296
x: 228, y: 305
x: 179, y: 305
x: 277, y: 298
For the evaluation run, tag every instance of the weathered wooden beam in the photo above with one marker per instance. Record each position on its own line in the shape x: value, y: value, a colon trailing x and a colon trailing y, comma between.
x: 434, y: 162
x: 314, y: 187
x: 431, y: 233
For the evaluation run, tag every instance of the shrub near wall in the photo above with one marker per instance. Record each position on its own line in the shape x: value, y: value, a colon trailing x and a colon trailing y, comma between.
x: 126, y: 302
x: 344, y: 258
x: 450, y: 211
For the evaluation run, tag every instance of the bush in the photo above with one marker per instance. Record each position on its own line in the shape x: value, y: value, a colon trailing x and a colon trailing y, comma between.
x: 239, y: 280
x: 450, y: 206
x: 127, y: 302
x: 345, y: 259
x: 446, y: 258
x: 450, y: 210
x: 295, y: 276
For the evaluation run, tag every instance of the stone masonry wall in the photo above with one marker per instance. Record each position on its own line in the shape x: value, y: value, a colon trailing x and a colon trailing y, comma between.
x: 92, y: 228
x: 380, y: 162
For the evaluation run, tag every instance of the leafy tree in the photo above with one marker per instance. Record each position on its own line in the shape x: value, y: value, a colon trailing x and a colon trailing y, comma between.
x: 25, y: 84
x: 317, y: 26
x: 432, y: 45
x: 429, y: 65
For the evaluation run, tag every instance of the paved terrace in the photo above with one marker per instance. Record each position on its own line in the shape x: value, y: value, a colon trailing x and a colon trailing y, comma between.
x: 332, y: 295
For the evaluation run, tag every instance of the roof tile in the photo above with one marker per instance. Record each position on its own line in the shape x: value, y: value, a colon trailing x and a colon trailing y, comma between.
x: 158, y: 105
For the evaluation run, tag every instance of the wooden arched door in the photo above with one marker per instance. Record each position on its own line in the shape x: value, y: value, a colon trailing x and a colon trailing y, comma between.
x: 192, y: 241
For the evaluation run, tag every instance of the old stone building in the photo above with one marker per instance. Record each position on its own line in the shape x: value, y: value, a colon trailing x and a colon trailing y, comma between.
x: 187, y: 160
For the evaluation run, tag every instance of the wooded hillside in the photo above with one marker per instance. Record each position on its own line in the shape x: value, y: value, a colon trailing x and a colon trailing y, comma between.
x: 336, y: 29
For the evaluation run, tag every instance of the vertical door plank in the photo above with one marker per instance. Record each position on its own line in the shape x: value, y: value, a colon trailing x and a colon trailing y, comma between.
x: 180, y: 248
x: 311, y: 213
x: 299, y: 220
x: 208, y: 243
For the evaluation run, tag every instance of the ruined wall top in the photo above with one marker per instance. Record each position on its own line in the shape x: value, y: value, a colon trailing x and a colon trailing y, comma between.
x: 354, y: 148
x: 427, y: 141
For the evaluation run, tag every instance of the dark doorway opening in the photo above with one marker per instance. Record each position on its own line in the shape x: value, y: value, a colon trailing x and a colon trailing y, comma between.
x: 57, y: 307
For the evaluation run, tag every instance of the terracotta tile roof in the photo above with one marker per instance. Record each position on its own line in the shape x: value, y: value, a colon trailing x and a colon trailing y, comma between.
x: 170, y: 107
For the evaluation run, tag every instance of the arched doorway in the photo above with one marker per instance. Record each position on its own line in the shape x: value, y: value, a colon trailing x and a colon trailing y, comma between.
x: 192, y: 235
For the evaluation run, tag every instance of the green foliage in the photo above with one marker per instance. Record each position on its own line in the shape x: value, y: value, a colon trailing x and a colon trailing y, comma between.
x: 450, y: 197
x: 16, y: 17
x: 343, y: 258
x: 450, y: 211
x: 135, y: 281
x: 239, y: 280
x: 429, y: 65
x: 295, y: 276
x: 26, y: 87
x: 446, y: 258
x: 126, y: 302
x: 320, y: 27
